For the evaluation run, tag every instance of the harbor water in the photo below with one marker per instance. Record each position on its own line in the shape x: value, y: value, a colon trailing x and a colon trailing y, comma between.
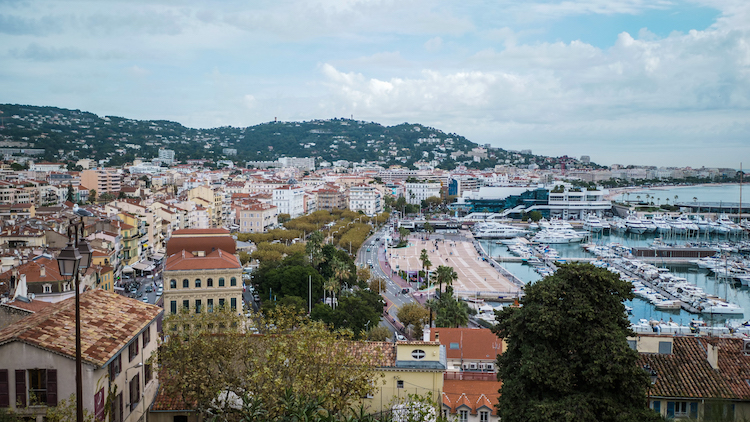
x: 703, y: 278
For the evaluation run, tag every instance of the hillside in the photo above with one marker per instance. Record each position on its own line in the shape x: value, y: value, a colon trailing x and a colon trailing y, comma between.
x: 68, y: 135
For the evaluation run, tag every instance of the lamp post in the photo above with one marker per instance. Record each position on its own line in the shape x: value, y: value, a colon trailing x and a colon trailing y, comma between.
x: 70, y: 261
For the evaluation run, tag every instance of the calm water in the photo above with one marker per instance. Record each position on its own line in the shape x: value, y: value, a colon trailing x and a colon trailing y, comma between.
x: 689, y: 194
x: 642, y: 309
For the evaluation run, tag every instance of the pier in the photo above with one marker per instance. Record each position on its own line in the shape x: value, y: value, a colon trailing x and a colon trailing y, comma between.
x: 685, y: 306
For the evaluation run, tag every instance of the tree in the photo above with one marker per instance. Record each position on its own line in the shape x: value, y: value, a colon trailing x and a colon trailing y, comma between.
x: 426, y: 264
x: 445, y: 275
x: 413, y: 315
x: 403, y: 233
x: 377, y: 284
x: 210, y: 363
x: 92, y: 196
x: 283, y: 218
x: 378, y: 333
x: 449, y: 311
x: 567, y: 357
x: 314, y: 248
x: 69, y: 196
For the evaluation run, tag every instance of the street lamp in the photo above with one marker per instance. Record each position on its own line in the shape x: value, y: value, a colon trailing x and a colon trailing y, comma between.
x: 70, y: 261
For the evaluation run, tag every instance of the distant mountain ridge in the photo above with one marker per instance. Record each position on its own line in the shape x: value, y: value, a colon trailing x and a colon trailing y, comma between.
x: 68, y: 135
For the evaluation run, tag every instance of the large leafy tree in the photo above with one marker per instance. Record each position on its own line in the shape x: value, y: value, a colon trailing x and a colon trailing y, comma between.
x: 567, y: 357
x: 293, y: 364
x: 415, y: 316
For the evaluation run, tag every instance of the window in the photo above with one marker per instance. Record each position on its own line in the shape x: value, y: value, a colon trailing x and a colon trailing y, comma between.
x: 197, y: 306
x: 210, y: 282
x: 210, y: 304
x: 146, y: 336
x: 233, y: 282
x: 186, y: 304
x: 221, y: 281
x: 418, y: 354
x: 147, y: 373
x: 665, y: 347
x: 117, y: 408
x: 484, y: 416
x: 454, y: 346
x: 115, y: 367
x: 173, y: 306
x: 185, y: 283
x: 680, y: 409
x: 47, y: 288
x: 400, y: 384
x: 37, y: 386
x: 233, y: 301
x: 463, y: 416
x: 135, y: 391
x: 221, y: 303
x: 172, y: 284
x: 197, y: 283
x: 132, y: 350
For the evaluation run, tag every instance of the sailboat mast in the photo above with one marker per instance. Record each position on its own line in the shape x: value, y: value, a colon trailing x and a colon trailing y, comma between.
x: 739, y: 219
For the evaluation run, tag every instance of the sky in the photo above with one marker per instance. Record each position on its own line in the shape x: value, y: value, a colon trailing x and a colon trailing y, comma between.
x: 647, y: 82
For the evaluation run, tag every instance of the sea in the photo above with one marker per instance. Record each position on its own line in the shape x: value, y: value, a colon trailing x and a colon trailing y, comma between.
x: 642, y: 309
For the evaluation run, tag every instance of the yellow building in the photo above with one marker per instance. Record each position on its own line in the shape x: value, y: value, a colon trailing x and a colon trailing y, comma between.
x: 201, y: 271
x: 409, y: 368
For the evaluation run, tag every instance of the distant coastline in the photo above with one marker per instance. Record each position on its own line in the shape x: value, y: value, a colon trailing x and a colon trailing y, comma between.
x: 614, y: 192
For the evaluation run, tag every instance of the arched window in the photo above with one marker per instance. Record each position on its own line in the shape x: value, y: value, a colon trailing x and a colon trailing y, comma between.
x: 221, y: 281
x: 210, y: 282
x: 185, y: 283
x: 197, y: 283
x: 172, y: 284
x: 233, y: 282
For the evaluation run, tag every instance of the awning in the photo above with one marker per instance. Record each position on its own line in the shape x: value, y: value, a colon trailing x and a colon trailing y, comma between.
x: 140, y: 266
x: 127, y: 269
x: 157, y: 256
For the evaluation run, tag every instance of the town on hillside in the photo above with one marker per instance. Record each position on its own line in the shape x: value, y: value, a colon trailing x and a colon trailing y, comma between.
x: 398, y: 256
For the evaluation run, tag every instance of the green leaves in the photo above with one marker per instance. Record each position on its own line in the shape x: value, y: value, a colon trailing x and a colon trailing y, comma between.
x: 567, y: 355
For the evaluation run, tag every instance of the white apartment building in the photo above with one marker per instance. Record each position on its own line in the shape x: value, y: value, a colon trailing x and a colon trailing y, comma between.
x: 367, y: 199
x: 289, y: 200
x: 418, y: 192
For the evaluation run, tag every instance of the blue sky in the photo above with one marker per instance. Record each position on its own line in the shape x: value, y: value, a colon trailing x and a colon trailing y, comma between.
x: 653, y: 82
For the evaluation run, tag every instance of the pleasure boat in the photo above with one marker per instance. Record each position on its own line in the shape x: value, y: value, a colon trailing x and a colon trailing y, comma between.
x: 497, y: 231
x: 592, y: 224
x: 661, y: 223
x: 635, y: 225
x: 557, y: 236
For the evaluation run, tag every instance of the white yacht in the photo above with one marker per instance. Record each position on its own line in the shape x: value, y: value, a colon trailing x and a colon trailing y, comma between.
x: 661, y: 223
x: 635, y: 225
x: 497, y: 231
x: 592, y: 223
x: 558, y: 236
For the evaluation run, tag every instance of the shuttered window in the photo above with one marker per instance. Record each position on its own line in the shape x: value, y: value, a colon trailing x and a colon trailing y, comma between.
x: 21, y: 387
x: 4, y: 388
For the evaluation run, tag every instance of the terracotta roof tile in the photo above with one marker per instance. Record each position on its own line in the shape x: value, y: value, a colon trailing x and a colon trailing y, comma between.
x: 218, y: 259
x: 470, y: 393
x: 473, y: 343
x: 108, y: 322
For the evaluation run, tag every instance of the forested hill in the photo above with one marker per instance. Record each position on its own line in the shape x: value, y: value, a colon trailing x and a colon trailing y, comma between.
x: 68, y: 135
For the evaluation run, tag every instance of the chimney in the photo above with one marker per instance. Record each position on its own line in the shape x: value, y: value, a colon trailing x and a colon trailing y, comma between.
x: 712, y: 355
x: 426, y: 334
x: 42, y: 271
x: 437, y: 336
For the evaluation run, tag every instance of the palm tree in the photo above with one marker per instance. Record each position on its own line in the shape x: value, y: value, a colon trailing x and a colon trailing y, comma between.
x: 331, y: 286
x: 426, y: 264
x: 341, y: 270
x: 446, y: 275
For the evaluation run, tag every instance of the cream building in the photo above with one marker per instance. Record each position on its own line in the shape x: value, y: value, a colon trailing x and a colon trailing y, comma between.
x: 37, y: 357
x: 201, y: 272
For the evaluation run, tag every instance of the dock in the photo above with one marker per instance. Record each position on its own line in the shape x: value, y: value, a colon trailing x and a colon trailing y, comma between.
x: 685, y: 306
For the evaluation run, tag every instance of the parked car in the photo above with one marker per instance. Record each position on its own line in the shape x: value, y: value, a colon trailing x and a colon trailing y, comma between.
x: 145, y: 299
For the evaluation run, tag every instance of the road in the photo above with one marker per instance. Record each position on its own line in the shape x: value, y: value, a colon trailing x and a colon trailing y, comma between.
x: 373, y: 253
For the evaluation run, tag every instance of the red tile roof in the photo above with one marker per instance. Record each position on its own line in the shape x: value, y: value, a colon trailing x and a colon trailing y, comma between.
x: 473, y: 343
x: 215, y: 260
x: 473, y: 394
x: 686, y: 373
x: 108, y: 323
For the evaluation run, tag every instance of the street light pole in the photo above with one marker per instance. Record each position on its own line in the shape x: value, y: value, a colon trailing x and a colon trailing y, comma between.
x: 70, y: 261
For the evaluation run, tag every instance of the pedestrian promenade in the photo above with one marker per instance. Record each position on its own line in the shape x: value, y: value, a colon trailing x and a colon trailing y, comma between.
x: 477, y: 275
